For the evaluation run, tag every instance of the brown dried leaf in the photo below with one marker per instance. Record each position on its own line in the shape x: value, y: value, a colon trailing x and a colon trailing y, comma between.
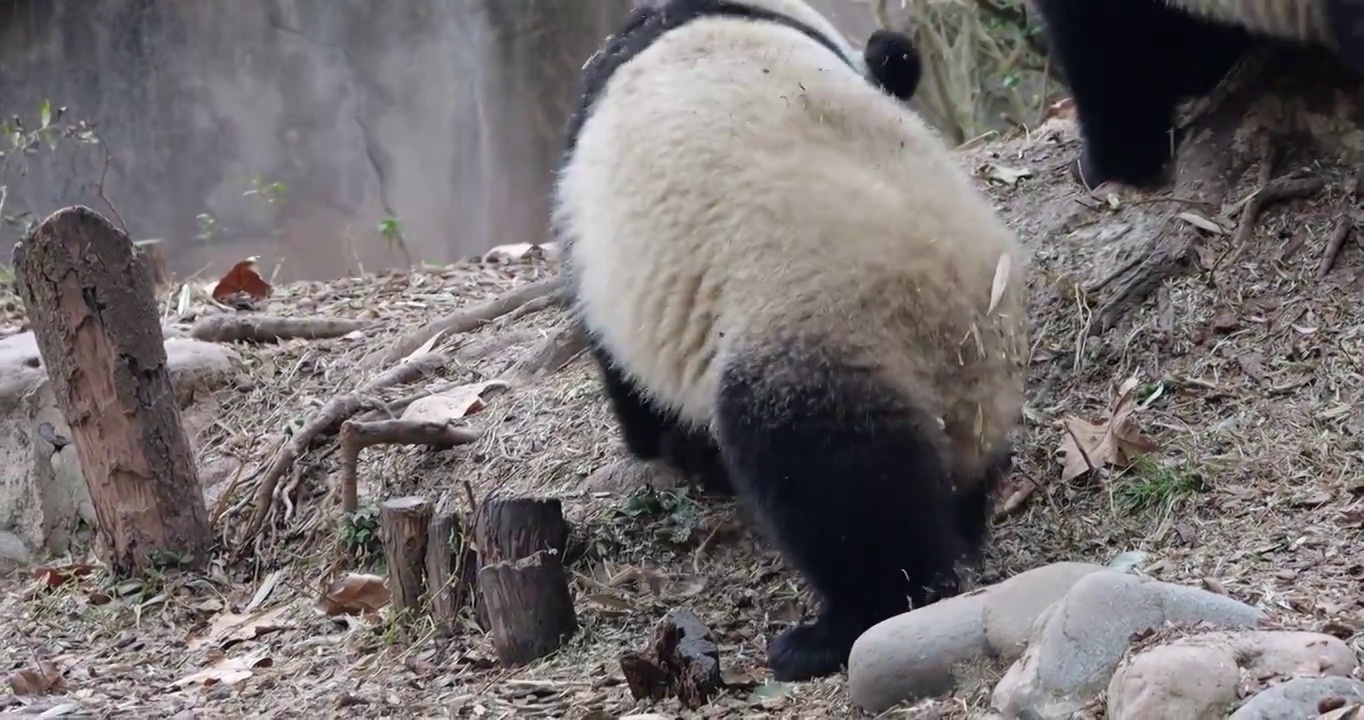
x: 455, y: 403
x: 1116, y: 442
x: 355, y: 594
x: 230, y: 628
x: 56, y: 576
x: 227, y: 671
x: 36, y: 681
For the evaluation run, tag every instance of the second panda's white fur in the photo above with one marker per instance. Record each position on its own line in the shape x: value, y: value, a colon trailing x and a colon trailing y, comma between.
x: 767, y: 250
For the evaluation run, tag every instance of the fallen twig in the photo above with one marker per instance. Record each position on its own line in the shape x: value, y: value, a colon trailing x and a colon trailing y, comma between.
x: 550, y: 355
x: 1344, y: 224
x: 357, y: 435
x: 468, y: 319
x: 330, y: 417
x: 269, y: 328
x: 1285, y: 188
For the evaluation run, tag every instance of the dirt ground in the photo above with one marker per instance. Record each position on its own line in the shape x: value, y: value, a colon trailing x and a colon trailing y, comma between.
x: 1249, y: 372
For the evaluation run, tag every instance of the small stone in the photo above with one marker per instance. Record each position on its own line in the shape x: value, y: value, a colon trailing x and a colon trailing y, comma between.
x: 1075, y: 650
x: 1299, y: 698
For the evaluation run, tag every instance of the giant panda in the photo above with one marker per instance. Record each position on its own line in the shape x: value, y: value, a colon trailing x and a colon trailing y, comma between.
x: 1128, y: 63
x: 781, y: 271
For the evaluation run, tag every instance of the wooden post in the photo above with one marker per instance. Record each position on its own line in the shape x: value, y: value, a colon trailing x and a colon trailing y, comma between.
x: 521, y: 582
x: 90, y: 301
x: 403, y: 526
x: 451, y: 569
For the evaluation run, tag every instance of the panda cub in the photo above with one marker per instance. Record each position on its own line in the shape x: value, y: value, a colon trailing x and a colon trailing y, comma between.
x: 785, y: 277
x: 1128, y: 64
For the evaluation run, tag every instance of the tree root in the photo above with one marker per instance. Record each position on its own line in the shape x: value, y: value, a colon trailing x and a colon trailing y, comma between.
x: 542, y: 294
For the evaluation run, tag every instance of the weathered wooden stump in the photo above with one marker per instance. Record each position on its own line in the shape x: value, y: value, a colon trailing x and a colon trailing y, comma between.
x: 683, y: 661
x: 451, y: 569
x: 522, y: 584
x: 403, y: 527
x: 89, y: 296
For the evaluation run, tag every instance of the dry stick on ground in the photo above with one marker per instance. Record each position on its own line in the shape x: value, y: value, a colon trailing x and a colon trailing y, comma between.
x: 267, y: 328
x: 357, y: 435
x: 403, y: 526
x: 1285, y: 188
x: 1344, y: 224
x: 464, y: 320
x: 330, y: 416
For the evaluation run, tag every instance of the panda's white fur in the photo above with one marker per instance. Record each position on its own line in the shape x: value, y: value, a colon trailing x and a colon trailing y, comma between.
x: 771, y: 254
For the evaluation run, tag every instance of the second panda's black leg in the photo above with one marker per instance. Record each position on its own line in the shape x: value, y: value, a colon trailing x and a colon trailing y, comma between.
x: 842, y: 472
x: 653, y: 434
x: 1346, y: 19
x: 974, y: 507
x: 1127, y: 64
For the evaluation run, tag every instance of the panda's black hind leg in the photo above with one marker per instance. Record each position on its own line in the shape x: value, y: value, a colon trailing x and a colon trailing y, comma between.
x: 844, y: 476
x: 1127, y: 64
x: 654, y: 434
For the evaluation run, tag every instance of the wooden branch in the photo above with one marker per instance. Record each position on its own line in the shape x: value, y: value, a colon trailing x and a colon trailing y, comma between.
x: 357, y: 435
x: 227, y: 327
x: 464, y: 320
x: 90, y: 302
x: 551, y: 355
x: 683, y: 661
x: 450, y: 570
x: 403, y: 526
x: 330, y: 417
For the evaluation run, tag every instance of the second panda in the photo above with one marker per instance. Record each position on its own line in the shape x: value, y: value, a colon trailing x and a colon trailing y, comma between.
x: 1128, y: 64
x: 780, y: 266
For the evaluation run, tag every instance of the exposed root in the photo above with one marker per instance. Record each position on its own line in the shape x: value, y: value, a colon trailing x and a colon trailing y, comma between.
x: 267, y: 328
x: 546, y: 292
x: 357, y: 435
x: 326, y: 421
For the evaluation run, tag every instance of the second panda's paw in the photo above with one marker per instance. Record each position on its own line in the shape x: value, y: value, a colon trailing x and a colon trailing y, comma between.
x: 806, y: 652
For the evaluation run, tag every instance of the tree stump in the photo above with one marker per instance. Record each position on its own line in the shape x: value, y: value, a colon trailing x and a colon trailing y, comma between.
x: 523, y: 590
x: 89, y: 298
x: 451, y: 569
x: 403, y: 526
x: 683, y: 661
x: 529, y: 607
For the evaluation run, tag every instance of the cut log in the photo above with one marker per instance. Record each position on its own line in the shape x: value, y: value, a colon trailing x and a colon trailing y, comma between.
x: 529, y: 607
x: 451, y: 565
x: 683, y: 661
x: 90, y: 300
x: 403, y: 527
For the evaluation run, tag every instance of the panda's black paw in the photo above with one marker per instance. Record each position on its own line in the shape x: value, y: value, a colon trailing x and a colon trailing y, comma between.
x: 806, y: 652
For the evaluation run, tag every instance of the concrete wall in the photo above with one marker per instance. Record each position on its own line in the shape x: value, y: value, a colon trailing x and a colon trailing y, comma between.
x: 444, y: 113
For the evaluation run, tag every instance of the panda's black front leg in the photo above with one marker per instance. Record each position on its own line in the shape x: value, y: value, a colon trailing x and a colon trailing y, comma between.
x: 653, y: 434
x: 1128, y: 63
x: 1346, y: 20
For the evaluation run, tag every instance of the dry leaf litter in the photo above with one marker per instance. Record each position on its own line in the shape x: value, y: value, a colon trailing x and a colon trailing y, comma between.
x: 1217, y: 430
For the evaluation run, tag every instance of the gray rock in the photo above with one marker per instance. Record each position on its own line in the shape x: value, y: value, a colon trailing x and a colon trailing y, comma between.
x: 1013, y: 606
x: 1073, y: 653
x: 910, y: 656
x: 1199, y: 676
x: 42, y: 489
x: 1299, y: 698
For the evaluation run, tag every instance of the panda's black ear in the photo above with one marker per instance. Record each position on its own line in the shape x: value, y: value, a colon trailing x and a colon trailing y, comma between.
x: 893, y: 63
